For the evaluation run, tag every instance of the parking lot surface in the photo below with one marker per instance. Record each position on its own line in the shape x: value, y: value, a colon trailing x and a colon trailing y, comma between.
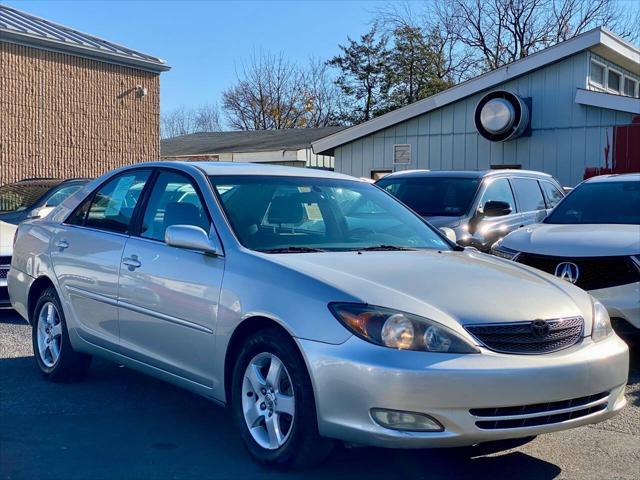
x: 120, y: 424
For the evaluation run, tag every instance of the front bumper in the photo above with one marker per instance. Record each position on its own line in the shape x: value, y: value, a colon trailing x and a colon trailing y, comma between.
x: 351, y: 379
x: 622, y: 302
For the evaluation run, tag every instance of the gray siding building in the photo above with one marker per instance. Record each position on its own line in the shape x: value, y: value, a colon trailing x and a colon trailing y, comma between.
x: 575, y: 93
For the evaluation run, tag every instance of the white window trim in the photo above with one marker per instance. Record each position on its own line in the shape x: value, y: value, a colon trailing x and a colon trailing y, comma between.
x: 605, y: 75
x: 619, y: 73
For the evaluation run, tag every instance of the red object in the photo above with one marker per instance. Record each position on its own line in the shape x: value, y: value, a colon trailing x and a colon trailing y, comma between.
x: 626, y: 151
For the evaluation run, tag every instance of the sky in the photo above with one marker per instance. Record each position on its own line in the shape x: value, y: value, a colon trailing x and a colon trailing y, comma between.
x: 205, y: 42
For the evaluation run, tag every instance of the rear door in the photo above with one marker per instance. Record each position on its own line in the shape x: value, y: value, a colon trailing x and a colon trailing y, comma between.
x: 530, y: 199
x: 86, y: 252
x: 168, y: 300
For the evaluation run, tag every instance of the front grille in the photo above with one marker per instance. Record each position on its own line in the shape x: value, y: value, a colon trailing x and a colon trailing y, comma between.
x: 523, y: 337
x: 5, y: 265
x: 533, y: 415
x: 594, y: 272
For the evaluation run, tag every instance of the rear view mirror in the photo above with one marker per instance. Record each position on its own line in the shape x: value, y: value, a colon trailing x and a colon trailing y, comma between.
x: 449, y: 233
x: 190, y: 237
x: 496, y: 208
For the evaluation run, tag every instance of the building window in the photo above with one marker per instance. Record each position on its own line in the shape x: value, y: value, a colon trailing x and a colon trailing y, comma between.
x: 630, y: 86
x: 402, y: 153
x: 378, y: 174
x: 597, y: 73
x: 614, y: 81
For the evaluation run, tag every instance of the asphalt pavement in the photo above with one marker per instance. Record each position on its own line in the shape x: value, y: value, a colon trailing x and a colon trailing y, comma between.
x: 119, y: 424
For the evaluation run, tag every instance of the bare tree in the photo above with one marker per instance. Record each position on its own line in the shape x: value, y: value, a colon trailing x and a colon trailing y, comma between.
x: 501, y: 31
x: 184, y: 121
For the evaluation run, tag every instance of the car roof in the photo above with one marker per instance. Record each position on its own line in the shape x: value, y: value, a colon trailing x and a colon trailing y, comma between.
x: 616, y: 177
x: 243, y: 168
x: 467, y: 173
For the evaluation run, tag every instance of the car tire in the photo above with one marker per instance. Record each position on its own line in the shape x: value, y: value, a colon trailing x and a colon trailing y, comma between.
x: 52, y: 349
x: 299, y: 444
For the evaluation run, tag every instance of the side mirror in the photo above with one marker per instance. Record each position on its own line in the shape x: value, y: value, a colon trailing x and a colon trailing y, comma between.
x: 190, y: 237
x: 496, y: 208
x: 449, y: 233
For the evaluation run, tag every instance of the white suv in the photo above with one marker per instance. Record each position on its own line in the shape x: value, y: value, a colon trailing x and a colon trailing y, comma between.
x: 592, y: 239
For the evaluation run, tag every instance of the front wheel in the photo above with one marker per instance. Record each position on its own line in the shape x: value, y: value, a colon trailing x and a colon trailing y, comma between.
x: 55, y: 357
x: 273, y: 403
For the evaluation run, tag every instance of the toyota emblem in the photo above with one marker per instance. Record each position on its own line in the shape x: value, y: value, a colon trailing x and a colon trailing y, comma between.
x: 540, y: 328
x: 568, y: 271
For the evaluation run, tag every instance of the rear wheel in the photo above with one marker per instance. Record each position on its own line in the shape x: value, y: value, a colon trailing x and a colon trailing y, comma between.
x: 52, y: 349
x: 273, y: 403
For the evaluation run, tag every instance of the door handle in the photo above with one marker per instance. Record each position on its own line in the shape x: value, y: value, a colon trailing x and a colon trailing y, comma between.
x: 62, y: 244
x: 132, y: 262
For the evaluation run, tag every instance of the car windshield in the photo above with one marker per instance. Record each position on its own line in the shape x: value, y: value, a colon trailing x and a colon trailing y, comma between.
x: 433, y: 196
x: 600, y: 202
x: 295, y: 215
x: 17, y: 197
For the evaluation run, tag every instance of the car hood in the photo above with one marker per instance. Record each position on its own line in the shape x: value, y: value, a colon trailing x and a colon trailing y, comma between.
x: 6, y: 238
x: 454, y: 288
x: 576, y: 240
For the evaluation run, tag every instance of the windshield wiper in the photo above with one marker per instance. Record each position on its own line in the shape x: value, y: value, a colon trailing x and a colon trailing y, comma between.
x: 292, y: 249
x: 383, y: 248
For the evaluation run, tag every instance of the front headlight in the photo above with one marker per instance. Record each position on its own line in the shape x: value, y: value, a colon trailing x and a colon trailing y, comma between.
x: 501, y: 251
x: 601, y: 322
x: 401, y: 330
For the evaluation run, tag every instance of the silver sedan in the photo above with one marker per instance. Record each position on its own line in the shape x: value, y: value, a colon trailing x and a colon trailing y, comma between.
x: 314, y: 305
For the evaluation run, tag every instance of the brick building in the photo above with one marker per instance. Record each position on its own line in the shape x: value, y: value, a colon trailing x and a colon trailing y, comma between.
x: 71, y: 104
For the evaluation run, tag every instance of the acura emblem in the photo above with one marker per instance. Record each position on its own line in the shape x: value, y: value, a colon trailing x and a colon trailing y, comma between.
x: 568, y: 271
x: 540, y: 328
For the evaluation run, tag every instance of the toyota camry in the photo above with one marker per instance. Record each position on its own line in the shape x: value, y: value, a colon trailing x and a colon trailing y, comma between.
x: 316, y: 306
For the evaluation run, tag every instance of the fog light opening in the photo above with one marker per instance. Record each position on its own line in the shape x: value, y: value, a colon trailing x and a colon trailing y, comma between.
x: 406, y: 421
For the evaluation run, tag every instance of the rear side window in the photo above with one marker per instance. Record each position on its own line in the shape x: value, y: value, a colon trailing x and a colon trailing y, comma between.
x: 529, y: 194
x: 553, y: 194
x: 111, y: 207
x: 174, y: 201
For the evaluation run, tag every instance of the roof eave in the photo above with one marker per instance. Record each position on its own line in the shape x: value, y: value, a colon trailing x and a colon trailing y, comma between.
x: 78, y: 50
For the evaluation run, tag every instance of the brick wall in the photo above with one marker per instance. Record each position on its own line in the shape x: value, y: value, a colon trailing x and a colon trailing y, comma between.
x: 64, y: 116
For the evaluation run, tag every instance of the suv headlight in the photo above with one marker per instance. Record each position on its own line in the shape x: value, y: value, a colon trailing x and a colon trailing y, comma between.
x: 400, y: 330
x: 501, y: 251
x: 601, y: 322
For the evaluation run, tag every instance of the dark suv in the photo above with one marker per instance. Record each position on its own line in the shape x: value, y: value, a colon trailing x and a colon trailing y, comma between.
x: 480, y: 207
x: 34, y: 197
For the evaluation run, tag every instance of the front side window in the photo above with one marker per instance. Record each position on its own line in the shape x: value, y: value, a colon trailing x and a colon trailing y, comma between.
x: 111, y: 207
x: 277, y: 213
x: 529, y: 194
x: 173, y: 201
x: 553, y: 194
x: 433, y: 196
x: 498, y: 190
x: 600, y: 203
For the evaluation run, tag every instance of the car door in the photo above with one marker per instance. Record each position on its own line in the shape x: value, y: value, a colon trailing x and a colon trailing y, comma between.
x: 86, y: 252
x: 488, y: 229
x: 168, y: 296
x: 530, y: 199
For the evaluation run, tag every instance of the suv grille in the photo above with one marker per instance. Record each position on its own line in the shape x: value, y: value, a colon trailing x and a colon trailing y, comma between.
x: 5, y: 265
x: 539, y: 413
x: 529, y: 338
x: 594, y: 272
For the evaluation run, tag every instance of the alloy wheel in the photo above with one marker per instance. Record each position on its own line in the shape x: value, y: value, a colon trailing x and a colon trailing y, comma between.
x: 49, y: 334
x: 268, y: 401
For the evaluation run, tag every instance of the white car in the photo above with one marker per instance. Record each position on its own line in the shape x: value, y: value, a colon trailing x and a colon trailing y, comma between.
x: 591, y: 239
x: 7, y: 231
